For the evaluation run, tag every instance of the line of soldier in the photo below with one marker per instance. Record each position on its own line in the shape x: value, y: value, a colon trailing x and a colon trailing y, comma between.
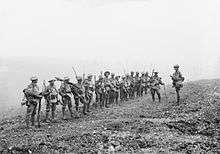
x: 108, y: 89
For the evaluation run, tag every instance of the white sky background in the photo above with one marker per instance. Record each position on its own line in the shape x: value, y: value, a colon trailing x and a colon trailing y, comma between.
x: 115, y: 34
x: 156, y: 31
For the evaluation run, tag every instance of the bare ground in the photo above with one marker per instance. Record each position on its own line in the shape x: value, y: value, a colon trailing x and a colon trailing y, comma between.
x: 135, y: 126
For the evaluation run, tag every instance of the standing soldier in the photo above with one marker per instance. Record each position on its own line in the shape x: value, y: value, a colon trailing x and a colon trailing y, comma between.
x: 177, y: 81
x: 142, y: 83
x: 137, y: 84
x: 65, y: 92
x: 100, y: 91
x: 89, y: 89
x: 132, y: 85
x: 123, y: 90
x: 147, y: 84
x: 33, y: 96
x: 113, y: 88
x: 79, y: 95
x: 117, y: 86
x: 155, y: 83
x: 107, y: 85
x: 51, y: 98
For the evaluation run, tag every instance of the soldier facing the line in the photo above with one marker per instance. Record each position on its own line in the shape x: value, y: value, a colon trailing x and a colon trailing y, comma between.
x: 177, y: 81
x: 155, y: 83
x: 79, y: 95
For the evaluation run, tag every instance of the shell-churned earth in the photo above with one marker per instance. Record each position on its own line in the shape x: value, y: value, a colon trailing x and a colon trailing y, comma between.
x: 135, y: 126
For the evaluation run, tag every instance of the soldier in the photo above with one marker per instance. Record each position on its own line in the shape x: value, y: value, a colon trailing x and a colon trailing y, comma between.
x: 51, y: 98
x: 100, y: 91
x: 132, y: 86
x: 124, y: 88
x: 113, y: 88
x: 117, y: 87
x: 66, y: 94
x: 147, y: 84
x: 33, y: 95
x: 177, y: 81
x: 137, y: 84
x: 89, y: 89
x: 107, y: 85
x: 142, y: 83
x: 79, y: 95
x: 155, y: 83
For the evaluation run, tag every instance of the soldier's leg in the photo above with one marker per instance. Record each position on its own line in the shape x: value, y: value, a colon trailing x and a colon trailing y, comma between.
x: 116, y: 96
x: 33, y: 113
x: 178, y: 94
x: 64, y: 108
x: 53, y: 110
x: 107, y: 99
x: 88, y: 103
x: 70, y: 107
x: 47, y: 110
x: 83, y: 101
x: 158, y: 94
x: 102, y: 100
x: 28, y: 115
x: 76, y: 103
x: 152, y: 94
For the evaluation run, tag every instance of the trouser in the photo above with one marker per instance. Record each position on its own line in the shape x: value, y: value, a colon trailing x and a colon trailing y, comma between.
x: 67, y: 102
x: 117, y: 96
x: 153, y: 92
x: 111, y: 96
x: 50, y: 107
x: 106, y: 98
x: 31, y: 112
x: 178, y: 94
x: 123, y: 94
x: 131, y: 92
x: 100, y: 99
x: 83, y: 101
x: 89, y: 100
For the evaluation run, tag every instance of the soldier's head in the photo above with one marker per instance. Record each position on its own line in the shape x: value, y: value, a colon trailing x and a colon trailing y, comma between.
x: 176, y: 67
x: 132, y: 73
x: 34, y: 79
x: 66, y: 79
x: 142, y: 74
x: 51, y: 82
x: 106, y: 74
x: 156, y: 73
x: 89, y: 77
x: 79, y: 79
x: 126, y: 75
x: 137, y: 73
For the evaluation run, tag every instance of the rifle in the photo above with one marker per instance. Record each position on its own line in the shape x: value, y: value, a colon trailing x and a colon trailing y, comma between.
x: 74, y: 88
x: 74, y: 71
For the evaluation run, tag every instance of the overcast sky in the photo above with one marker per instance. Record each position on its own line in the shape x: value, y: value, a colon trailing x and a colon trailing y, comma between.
x: 130, y: 32
x: 47, y: 37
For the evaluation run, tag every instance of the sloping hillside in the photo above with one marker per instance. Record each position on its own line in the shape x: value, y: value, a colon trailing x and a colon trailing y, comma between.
x: 136, y: 126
